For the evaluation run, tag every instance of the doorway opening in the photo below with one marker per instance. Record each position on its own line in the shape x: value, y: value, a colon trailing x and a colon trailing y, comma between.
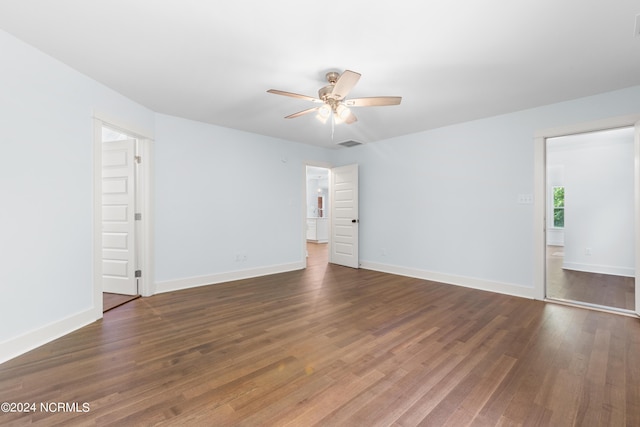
x: 331, y: 212
x: 317, y: 211
x: 590, y: 229
x: 120, y: 154
x: 122, y: 213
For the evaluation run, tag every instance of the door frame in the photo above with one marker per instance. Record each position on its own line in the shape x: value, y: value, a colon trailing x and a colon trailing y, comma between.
x: 540, y: 168
x: 324, y: 165
x: 144, y: 200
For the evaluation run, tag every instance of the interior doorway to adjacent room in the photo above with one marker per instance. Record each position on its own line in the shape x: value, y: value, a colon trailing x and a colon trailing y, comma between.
x: 122, y: 254
x: 317, y: 212
x: 331, y: 212
x: 590, y: 232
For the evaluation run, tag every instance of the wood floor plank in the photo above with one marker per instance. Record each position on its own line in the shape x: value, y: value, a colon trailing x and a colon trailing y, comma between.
x: 335, y: 346
x: 593, y: 288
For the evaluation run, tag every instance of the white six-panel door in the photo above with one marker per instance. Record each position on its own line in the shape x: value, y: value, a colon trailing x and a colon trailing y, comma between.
x: 344, y: 216
x: 118, y: 217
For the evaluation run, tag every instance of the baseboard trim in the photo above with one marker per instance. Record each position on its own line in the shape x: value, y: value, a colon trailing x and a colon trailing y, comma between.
x: 211, y: 279
x: 600, y: 269
x: 467, y: 282
x: 15, y: 347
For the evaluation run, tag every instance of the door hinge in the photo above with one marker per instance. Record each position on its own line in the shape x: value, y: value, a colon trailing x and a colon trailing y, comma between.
x: 138, y: 159
x: 138, y: 273
x: 138, y: 217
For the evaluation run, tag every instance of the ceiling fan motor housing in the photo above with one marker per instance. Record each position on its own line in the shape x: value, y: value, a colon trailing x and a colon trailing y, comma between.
x: 325, y: 92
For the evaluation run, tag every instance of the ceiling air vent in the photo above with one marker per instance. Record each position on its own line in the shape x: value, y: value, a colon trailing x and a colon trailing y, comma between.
x: 350, y: 143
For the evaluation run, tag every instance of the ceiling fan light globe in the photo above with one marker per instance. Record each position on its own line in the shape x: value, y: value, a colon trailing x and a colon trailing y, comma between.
x: 321, y: 119
x: 342, y: 112
x: 324, y: 111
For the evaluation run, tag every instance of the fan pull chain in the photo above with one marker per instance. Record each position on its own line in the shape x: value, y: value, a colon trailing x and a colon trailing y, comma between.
x: 333, y: 123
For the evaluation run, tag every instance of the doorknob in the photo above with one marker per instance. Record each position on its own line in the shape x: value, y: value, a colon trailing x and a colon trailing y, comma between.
x: 355, y: 220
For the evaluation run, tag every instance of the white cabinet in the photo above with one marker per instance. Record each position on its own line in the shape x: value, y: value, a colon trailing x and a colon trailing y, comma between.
x: 318, y: 229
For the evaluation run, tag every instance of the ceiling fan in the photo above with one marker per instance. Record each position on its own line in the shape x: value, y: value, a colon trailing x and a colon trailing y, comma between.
x: 332, y: 98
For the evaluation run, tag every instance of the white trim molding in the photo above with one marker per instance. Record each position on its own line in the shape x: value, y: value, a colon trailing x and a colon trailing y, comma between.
x: 611, y: 270
x: 146, y: 231
x: 127, y: 127
x: 34, y: 339
x: 449, y: 279
x: 212, y: 279
x: 97, y: 219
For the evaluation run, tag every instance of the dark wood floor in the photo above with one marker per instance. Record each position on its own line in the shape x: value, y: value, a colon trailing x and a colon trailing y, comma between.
x: 335, y: 346
x: 592, y: 288
x: 111, y: 301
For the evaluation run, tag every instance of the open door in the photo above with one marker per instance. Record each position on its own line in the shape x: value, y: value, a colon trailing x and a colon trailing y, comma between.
x: 344, y: 216
x: 118, y: 218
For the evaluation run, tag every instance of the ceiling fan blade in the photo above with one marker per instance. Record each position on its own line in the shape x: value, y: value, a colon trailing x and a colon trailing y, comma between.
x: 302, y: 113
x: 375, y: 101
x: 294, y: 95
x: 344, y: 84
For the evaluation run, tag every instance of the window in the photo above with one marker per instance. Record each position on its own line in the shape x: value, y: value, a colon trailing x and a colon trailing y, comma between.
x: 558, y: 207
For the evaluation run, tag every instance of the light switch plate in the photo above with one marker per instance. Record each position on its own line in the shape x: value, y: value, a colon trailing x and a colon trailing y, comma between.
x: 525, y: 199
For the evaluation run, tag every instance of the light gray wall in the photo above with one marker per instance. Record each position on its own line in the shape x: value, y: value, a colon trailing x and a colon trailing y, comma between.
x: 599, y: 213
x: 46, y: 189
x: 443, y: 204
x: 222, y: 193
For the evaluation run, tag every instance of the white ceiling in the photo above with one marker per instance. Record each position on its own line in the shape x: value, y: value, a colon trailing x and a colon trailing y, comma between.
x: 213, y: 61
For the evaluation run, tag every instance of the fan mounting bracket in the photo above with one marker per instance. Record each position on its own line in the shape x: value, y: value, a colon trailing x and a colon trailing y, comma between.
x: 332, y: 77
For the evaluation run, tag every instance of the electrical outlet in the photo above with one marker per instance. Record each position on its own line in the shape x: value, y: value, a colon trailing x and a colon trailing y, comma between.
x: 587, y: 251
